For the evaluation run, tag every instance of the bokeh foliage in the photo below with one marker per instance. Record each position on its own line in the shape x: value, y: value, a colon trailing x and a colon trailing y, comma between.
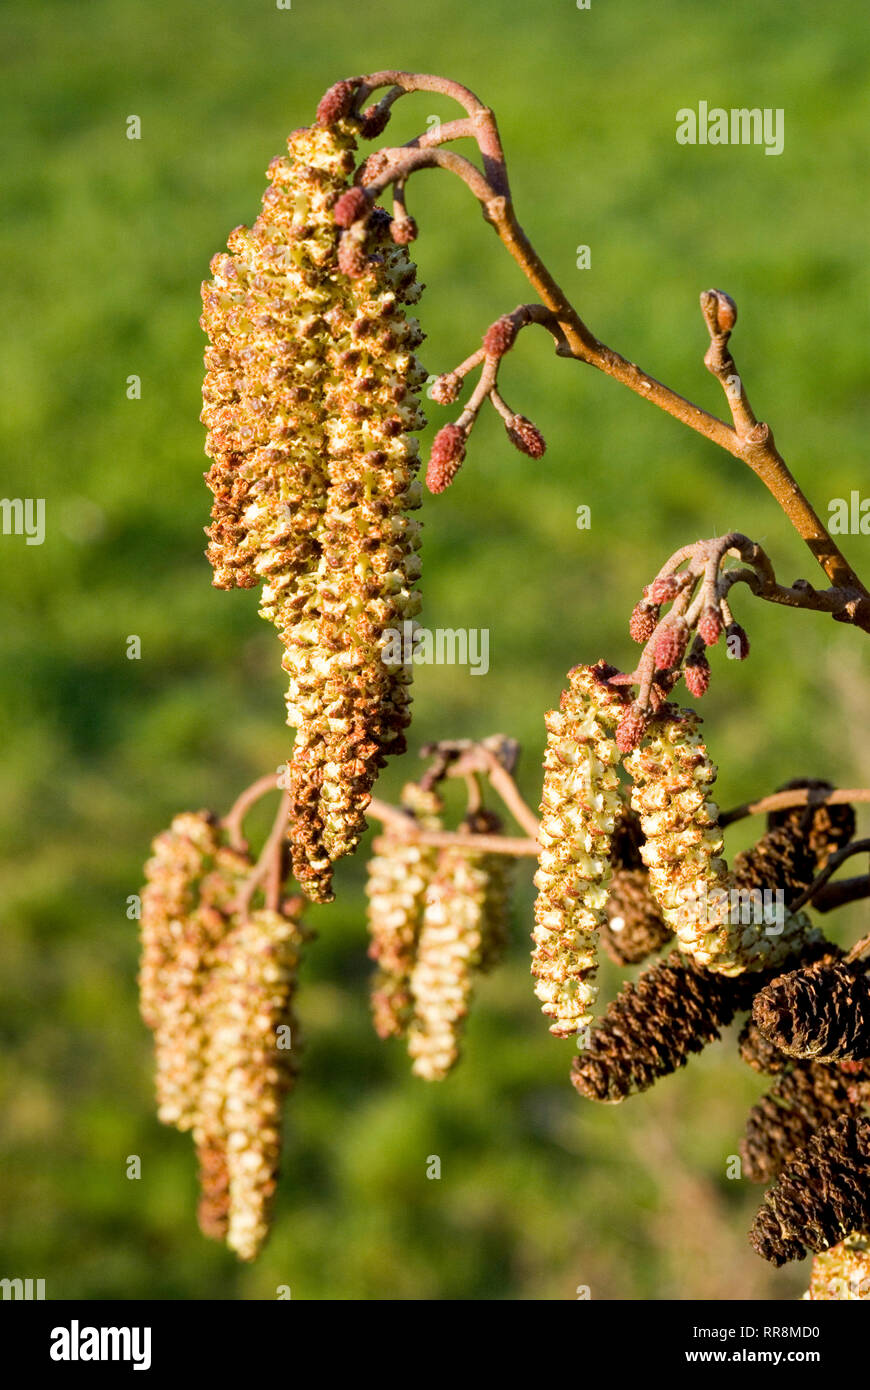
x: 105, y: 242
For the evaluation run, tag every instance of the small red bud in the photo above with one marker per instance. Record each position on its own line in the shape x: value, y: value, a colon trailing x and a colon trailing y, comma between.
x: 350, y: 207
x: 630, y: 729
x: 737, y: 642
x: 697, y: 674
x: 526, y: 437
x: 726, y: 311
x: 448, y: 451
x: 710, y: 626
x: 374, y: 122
x: 664, y: 589
x: 643, y: 621
x: 499, y: 337
x: 336, y: 103
x: 670, y: 644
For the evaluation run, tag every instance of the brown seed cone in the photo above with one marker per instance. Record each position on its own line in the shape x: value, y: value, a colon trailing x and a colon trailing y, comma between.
x: 799, y: 1103
x: 843, y: 1272
x: 655, y: 1024
x: 781, y: 860
x: 634, y: 928
x: 819, y: 1011
x: 826, y: 828
x: 759, y: 1054
x: 822, y: 1196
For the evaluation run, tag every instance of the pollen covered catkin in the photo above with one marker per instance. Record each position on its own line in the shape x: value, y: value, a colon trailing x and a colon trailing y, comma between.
x: 252, y: 1060
x: 399, y: 874
x: 309, y: 396
x: 843, y: 1272
x: 580, y: 805
x: 673, y: 775
x: 462, y: 934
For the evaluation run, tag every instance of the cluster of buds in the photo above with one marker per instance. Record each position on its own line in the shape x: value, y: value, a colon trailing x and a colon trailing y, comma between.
x: 451, y: 441
x: 462, y: 933
x: 580, y: 807
x: 309, y: 399
x: 216, y: 987
x: 675, y: 643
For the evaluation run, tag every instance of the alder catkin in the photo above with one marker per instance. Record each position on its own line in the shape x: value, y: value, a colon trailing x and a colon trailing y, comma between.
x: 309, y: 396
x: 843, y: 1271
x: 579, y: 809
x: 673, y: 776
x: 399, y: 874
x: 462, y: 934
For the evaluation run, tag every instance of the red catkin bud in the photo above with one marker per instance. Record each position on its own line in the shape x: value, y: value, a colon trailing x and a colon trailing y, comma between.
x: 448, y: 451
x: 664, y: 589
x: 737, y: 642
x: 350, y: 206
x: 374, y: 121
x: 526, y: 437
x: 710, y: 626
x: 630, y: 729
x: 670, y: 644
x: 335, y: 103
x: 643, y: 621
x: 500, y: 336
x: 446, y: 389
x: 403, y: 230
x: 697, y: 674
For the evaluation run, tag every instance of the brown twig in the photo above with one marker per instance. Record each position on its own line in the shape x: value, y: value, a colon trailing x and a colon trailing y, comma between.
x: 746, y: 438
x: 797, y: 796
x: 404, y: 824
x: 840, y: 857
x: 232, y: 821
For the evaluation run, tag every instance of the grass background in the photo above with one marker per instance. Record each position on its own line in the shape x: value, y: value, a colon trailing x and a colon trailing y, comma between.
x: 105, y: 242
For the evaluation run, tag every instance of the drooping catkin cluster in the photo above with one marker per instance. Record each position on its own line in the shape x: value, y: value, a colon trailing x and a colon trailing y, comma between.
x: 580, y: 805
x: 698, y: 897
x: 309, y: 398
x: 843, y: 1271
x: 216, y: 986
x: 822, y: 1195
x: 462, y: 933
x: 399, y: 874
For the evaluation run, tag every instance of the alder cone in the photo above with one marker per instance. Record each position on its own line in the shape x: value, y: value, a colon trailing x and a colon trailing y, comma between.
x: 801, y: 1101
x: 819, y: 1011
x: 634, y: 928
x: 826, y: 828
x: 822, y: 1196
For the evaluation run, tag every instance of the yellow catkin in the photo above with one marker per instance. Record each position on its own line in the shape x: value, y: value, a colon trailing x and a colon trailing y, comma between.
x: 843, y: 1272
x: 309, y: 399
x: 463, y: 933
x: 689, y: 878
x: 579, y: 808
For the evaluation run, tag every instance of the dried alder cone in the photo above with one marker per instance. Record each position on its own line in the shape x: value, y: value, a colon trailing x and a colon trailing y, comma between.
x: 216, y: 988
x: 822, y: 1196
x: 821, y: 1011
x: 309, y: 398
x: 802, y: 1100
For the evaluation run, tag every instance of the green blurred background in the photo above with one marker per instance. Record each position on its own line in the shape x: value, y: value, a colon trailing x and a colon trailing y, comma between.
x: 105, y: 242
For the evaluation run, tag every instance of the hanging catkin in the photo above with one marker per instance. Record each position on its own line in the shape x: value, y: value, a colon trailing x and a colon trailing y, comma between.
x: 843, y: 1272
x: 698, y: 897
x: 399, y: 873
x: 580, y: 805
x: 462, y: 933
x: 309, y: 398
